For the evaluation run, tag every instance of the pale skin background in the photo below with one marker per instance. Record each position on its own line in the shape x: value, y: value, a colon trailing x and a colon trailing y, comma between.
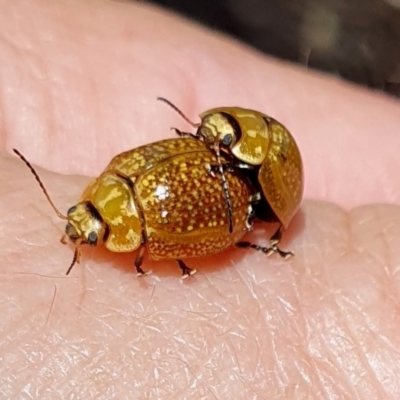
x: 78, y: 85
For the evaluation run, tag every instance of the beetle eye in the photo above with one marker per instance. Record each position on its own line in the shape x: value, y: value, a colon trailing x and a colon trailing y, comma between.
x: 227, y: 139
x: 71, y: 210
x: 71, y: 232
x: 92, y: 238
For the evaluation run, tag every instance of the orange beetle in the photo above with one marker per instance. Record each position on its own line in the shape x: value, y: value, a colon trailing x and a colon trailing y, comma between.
x: 160, y: 199
x: 258, y: 143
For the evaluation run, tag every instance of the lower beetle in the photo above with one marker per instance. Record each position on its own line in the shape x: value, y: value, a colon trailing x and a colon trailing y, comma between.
x: 255, y: 142
x: 159, y: 199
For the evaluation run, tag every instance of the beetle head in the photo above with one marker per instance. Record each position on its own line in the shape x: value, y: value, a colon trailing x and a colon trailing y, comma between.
x: 219, y: 128
x: 85, y: 225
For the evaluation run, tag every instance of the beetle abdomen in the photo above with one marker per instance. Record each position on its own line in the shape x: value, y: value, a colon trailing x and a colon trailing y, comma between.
x: 184, y: 207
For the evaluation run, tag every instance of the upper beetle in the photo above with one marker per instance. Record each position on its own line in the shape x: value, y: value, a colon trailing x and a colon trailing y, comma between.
x: 259, y: 143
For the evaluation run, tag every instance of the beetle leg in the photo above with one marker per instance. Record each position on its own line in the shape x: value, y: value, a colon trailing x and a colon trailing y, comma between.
x: 250, y: 216
x: 275, y: 239
x: 284, y: 254
x: 255, y: 198
x: 220, y: 167
x: 186, y: 271
x: 230, y: 167
x: 139, y: 262
x: 277, y: 236
x: 225, y: 188
x: 64, y: 239
x: 212, y: 169
x: 247, y: 245
x: 185, y: 134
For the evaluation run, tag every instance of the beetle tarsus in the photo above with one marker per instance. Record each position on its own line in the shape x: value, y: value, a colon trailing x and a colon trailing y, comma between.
x: 247, y: 245
x: 211, y: 169
x: 186, y: 271
x: 142, y: 273
x: 284, y: 254
x: 275, y: 239
x: 266, y: 250
x: 139, y: 262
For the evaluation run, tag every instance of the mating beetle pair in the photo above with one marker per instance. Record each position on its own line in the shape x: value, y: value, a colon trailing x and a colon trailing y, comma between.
x: 261, y: 145
x: 189, y: 197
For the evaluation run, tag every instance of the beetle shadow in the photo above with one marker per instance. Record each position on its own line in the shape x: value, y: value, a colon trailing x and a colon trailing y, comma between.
x: 125, y: 262
x: 162, y: 268
x: 260, y: 235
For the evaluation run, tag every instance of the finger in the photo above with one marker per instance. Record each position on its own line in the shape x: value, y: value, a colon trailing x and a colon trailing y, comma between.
x: 84, y: 87
x: 256, y: 313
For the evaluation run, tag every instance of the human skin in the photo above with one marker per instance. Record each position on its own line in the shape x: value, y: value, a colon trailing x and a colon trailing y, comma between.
x: 78, y: 85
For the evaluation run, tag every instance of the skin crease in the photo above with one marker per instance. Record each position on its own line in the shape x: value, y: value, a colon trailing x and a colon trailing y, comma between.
x: 78, y: 85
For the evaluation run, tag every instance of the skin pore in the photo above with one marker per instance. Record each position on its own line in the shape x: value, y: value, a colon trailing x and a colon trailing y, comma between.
x: 79, y: 85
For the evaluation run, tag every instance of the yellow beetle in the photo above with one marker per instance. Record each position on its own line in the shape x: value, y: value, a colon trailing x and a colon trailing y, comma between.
x: 160, y: 199
x: 263, y: 146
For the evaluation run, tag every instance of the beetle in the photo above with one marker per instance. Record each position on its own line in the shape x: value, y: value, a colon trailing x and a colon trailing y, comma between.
x: 160, y: 199
x: 255, y: 142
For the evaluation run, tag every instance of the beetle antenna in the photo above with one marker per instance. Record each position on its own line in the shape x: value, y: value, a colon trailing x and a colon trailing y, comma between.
x: 76, y: 258
x: 224, y: 186
x: 178, y: 111
x: 40, y: 183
